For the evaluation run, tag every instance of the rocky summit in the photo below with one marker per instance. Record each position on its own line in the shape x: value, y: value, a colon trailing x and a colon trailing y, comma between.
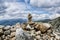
x: 36, y: 31
x: 29, y: 31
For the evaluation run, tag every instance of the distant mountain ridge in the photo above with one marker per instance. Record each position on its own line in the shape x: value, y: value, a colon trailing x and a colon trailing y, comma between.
x: 44, y: 21
x: 55, y: 22
x: 12, y: 21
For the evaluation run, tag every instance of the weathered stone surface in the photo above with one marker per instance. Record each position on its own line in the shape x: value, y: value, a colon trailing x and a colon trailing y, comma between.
x: 0, y: 38
x: 43, y: 27
x: 38, y: 33
x: 1, y: 31
x: 7, y: 28
x: 13, y: 29
x: 14, y: 38
x: 37, y: 37
x: 22, y: 35
x: 13, y: 34
x: 7, y: 32
x: 3, y: 36
x: 7, y: 38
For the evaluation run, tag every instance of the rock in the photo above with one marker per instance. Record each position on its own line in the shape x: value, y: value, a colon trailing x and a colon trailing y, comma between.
x: 0, y: 38
x: 3, y: 36
x: 31, y: 23
x: 38, y: 33
x: 1, y: 31
x: 7, y: 32
x: 7, y: 38
x: 49, y: 31
x: 32, y: 31
x: 13, y: 29
x: 43, y: 27
x: 37, y: 37
x: 7, y: 27
x: 14, y: 38
x: 28, y: 27
x: 4, y: 39
x: 18, y: 25
x: 13, y: 34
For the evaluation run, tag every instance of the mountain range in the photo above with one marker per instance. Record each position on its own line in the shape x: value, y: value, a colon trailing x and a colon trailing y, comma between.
x: 12, y: 21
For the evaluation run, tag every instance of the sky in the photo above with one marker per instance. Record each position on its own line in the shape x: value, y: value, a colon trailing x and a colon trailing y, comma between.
x: 40, y: 9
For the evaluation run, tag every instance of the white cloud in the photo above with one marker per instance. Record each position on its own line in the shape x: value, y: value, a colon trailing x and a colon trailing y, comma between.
x: 53, y: 16
x: 13, y: 10
x: 45, y: 3
x: 18, y: 10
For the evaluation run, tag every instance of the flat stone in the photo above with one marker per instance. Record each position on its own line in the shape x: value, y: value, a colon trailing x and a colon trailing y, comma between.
x: 7, y: 32
x: 37, y: 37
x: 38, y: 33
x: 7, y: 27
x: 13, y: 29
x: 7, y: 38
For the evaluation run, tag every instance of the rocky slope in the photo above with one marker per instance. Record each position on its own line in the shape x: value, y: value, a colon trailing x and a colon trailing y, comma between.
x: 7, y: 33
x: 56, y: 23
x: 31, y: 30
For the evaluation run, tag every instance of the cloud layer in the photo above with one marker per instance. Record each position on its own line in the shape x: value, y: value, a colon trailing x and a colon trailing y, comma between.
x: 40, y: 9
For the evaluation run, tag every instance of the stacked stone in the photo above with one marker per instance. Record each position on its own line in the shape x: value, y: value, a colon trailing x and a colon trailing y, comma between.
x: 7, y: 33
x: 29, y: 18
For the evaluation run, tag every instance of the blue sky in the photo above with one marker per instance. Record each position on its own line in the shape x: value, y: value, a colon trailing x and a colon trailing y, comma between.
x: 40, y: 9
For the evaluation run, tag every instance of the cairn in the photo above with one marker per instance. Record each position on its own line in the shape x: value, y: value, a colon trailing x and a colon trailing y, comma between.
x: 29, y: 18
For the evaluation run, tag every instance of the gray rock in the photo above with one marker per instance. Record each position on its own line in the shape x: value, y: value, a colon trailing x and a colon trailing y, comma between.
x: 0, y: 38
x: 7, y: 32
x: 13, y: 29
x: 12, y: 34
x: 7, y: 27
x: 3, y: 36
x: 1, y: 31
x: 22, y: 35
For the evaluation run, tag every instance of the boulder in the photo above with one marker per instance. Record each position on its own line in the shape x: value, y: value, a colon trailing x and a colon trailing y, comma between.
x: 14, y: 38
x: 43, y: 27
x: 7, y: 32
x: 3, y: 36
x: 12, y: 34
x: 13, y: 29
x: 7, y: 27
x: 22, y: 35
x: 37, y: 37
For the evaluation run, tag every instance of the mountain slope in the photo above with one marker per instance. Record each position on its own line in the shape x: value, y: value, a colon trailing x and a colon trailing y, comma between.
x: 56, y: 23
